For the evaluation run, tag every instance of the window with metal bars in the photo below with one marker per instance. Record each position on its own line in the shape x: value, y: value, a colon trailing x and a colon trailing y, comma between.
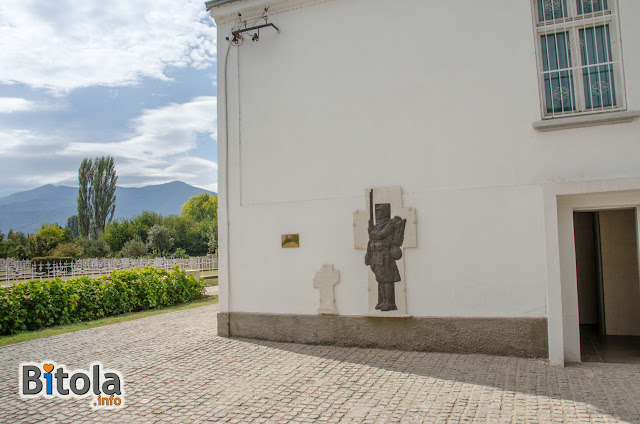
x: 579, y: 58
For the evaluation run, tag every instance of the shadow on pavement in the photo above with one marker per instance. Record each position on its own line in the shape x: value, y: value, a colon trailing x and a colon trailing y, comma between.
x: 613, y: 389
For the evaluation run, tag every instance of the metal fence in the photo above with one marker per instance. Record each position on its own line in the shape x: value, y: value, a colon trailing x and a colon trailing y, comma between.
x: 11, y: 270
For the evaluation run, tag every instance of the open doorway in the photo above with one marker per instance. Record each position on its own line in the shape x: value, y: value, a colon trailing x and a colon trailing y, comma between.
x: 608, y: 285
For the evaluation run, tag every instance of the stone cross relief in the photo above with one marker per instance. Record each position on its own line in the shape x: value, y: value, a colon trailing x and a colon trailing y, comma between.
x: 324, y: 280
x: 393, y: 196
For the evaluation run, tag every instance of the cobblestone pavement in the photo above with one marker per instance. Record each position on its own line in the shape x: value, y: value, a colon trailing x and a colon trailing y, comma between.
x: 177, y: 370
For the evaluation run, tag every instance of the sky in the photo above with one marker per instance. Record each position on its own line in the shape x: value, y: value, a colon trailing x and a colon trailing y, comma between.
x: 134, y: 79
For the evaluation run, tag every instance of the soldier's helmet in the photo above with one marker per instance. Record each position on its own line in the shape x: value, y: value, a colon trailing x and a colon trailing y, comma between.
x: 383, y: 211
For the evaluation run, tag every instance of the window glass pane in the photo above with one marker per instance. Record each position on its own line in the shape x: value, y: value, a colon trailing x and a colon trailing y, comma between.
x: 551, y: 9
x: 597, y: 71
x: 558, y: 80
x: 590, y: 6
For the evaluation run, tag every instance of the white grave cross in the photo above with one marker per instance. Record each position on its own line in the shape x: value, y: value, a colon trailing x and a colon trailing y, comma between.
x: 324, y: 280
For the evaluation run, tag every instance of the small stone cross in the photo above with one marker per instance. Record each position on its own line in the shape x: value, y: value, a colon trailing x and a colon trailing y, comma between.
x: 324, y: 280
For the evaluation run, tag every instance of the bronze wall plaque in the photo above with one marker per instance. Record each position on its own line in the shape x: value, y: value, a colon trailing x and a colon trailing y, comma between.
x: 290, y: 240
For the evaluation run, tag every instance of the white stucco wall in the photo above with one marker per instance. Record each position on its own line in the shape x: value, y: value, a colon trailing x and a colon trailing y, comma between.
x: 436, y: 97
x: 460, y: 268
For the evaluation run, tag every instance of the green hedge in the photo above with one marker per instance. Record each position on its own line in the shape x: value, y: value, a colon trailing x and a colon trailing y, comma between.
x: 38, y: 304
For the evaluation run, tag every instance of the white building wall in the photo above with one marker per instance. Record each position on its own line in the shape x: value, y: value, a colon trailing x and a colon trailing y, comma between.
x: 436, y: 97
x: 455, y: 271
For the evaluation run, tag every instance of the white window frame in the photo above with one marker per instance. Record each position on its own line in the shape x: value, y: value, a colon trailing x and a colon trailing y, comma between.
x: 572, y: 24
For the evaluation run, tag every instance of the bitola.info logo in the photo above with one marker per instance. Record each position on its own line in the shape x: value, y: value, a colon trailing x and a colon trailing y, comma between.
x: 49, y: 380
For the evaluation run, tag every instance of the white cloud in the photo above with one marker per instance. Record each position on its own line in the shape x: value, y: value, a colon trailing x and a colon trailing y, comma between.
x: 210, y: 187
x: 159, y: 133
x: 188, y: 166
x: 189, y: 169
x: 27, y: 144
x: 15, y: 104
x: 49, y: 178
x: 18, y: 104
x: 159, y: 149
x: 10, y: 141
x: 68, y: 44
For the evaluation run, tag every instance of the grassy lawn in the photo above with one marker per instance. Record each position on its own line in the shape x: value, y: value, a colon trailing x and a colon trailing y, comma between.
x: 210, y: 280
x: 61, y: 329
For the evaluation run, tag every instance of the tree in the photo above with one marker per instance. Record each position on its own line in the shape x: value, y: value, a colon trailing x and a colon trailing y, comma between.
x: 45, y: 240
x: 72, y: 225
x: 201, y: 207
x: 134, y: 248
x: 160, y: 239
x: 53, y: 231
x: 17, y: 252
x: 212, y: 237
x: 142, y: 223
x: 3, y: 246
x: 38, y: 245
x: 17, y: 237
x: 16, y: 245
x: 187, y: 234
x: 93, y: 248
x: 67, y: 250
x: 181, y: 253
x: 96, y: 195
x: 116, y: 234
x: 85, y: 213
x: 103, y: 192
x: 200, y: 215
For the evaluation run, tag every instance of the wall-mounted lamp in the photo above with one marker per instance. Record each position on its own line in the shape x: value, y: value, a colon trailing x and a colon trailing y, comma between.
x: 242, y: 26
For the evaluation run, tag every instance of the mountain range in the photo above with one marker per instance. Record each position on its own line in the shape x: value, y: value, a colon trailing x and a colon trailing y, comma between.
x: 26, y: 210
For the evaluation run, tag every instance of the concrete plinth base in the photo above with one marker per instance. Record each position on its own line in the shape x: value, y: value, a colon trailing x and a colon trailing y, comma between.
x: 525, y: 337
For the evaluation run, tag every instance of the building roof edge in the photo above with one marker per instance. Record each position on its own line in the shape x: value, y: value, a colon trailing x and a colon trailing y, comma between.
x: 214, y: 3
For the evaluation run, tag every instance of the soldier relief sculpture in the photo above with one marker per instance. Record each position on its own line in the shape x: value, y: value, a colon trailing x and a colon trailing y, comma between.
x: 386, y: 235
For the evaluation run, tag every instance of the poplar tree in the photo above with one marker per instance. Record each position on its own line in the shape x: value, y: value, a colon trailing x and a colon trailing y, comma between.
x: 103, y: 192
x: 85, y: 212
x: 96, y: 195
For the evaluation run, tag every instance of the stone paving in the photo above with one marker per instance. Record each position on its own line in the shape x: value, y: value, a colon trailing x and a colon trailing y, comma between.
x: 177, y: 370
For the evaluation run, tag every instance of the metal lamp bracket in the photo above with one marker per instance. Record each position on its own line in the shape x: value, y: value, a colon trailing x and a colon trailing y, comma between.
x: 242, y: 26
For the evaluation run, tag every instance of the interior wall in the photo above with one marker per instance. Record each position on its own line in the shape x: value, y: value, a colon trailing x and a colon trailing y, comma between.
x: 586, y: 269
x: 620, y: 272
